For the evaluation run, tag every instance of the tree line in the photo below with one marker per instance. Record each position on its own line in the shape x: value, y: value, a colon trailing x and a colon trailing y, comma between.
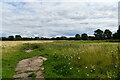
x: 98, y: 35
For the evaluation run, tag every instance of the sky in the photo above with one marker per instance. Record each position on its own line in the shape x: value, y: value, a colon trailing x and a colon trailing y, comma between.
x: 44, y: 18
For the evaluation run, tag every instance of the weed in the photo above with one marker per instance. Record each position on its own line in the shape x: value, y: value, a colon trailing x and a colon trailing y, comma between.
x: 33, y: 75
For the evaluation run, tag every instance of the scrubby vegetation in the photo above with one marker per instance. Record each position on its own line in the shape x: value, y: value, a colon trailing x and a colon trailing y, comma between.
x: 67, y: 59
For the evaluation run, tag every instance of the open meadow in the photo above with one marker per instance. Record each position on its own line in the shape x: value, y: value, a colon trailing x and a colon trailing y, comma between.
x: 65, y: 59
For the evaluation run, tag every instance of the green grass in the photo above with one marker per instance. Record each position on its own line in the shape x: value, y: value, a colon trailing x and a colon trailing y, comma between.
x: 84, y: 42
x: 33, y: 75
x: 66, y: 59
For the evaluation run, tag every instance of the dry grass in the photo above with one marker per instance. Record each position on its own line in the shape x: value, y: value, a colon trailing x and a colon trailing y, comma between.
x: 14, y: 43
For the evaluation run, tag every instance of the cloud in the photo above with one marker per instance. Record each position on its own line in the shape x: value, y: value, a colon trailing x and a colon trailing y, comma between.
x: 61, y: 1
x: 50, y: 19
x: 0, y: 18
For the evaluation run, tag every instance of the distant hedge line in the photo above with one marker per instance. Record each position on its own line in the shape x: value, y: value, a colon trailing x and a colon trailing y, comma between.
x: 98, y: 35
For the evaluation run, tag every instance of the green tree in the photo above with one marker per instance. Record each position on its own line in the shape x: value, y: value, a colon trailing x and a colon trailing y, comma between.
x: 118, y: 32
x: 18, y: 37
x: 99, y: 34
x: 63, y: 37
x: 77, y: 36
x: 84, y: 36
x: 11, y: 37
x: 115, y: 36
x: 107, y: 34
x: 36, y: 38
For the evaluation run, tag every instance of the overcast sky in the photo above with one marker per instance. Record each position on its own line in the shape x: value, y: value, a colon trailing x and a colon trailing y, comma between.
x: 44, y: 18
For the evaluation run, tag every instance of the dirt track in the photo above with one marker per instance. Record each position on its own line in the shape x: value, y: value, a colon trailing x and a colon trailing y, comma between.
x: 29, y: 66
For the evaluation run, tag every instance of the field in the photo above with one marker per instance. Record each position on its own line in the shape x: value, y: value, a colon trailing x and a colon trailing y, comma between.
x: 66, y: 59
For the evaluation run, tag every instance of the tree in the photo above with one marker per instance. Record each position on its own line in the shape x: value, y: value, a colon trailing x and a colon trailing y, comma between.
x: 115, y: 36
x: 36, y: 38
x: 91, y: 37
x: 57, y: 38
x: 26, y: 38
x: 11, y: 37
x: 99, y: 34
x: 118, y: 32
x: 18, y: 37
x: 84, y: 36
x: 71, y: 38
x: 4, y: 38
x: 77, y: 36
x: 107, y: 34
x: 63, y: 37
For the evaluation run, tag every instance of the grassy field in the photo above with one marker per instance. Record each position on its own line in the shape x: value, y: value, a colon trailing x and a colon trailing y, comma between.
x: 66, y: 59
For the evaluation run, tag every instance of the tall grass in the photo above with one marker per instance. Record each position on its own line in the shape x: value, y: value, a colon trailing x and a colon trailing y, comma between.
x: 119, y: 60
x: 67, y: 60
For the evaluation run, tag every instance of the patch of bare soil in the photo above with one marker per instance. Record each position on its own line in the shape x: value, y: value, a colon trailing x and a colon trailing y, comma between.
x: 25, y: 68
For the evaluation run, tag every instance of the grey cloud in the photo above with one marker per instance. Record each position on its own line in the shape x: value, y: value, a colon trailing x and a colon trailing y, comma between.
x: 51, y: 19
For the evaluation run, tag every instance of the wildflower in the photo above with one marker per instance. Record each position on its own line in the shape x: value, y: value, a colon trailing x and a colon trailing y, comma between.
x: 69, y: 63
x: 86, y: 67
x: 91, y: 71
x: 109, y: 74
x: 71, y: 57
x: 71, y: 68
x: 64, y: 66
x: 87, y: 74
x: 68, y: 58
x: 94, y: 69
x: 78, y: 57
x: 116, y: 66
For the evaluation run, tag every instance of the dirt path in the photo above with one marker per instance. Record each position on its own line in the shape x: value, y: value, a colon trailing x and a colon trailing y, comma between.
x: 31, y: 67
